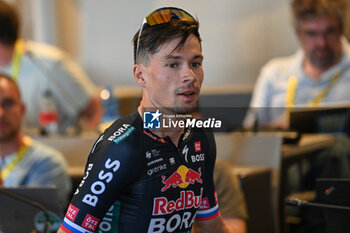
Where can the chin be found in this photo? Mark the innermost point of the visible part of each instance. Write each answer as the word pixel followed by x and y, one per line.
pixel 185 109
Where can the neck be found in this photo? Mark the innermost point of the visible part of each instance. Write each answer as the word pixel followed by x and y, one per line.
pixel 174 133
pixel 6 53
pixel 12 146
pixel 313 71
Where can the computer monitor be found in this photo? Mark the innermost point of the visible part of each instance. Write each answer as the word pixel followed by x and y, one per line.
pixel 321 120
pixel 17 216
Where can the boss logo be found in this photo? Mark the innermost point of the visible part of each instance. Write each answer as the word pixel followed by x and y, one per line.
pixel 99 186
pixel 197 158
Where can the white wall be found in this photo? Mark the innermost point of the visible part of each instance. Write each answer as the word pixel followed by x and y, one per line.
pixel 238 36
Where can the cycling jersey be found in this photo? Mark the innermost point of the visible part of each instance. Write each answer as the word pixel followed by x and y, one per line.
pixel 140 182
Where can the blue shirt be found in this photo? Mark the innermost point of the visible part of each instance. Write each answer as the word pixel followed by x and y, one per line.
pixel 41 165
pixel 269 95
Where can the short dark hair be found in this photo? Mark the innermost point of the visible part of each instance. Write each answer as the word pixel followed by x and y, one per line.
pixel 307 9
pixel 9 24
pixel 153 37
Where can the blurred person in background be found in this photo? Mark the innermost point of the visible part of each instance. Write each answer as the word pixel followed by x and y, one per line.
pixel 39 69
pixel 23 161
pixel 318 73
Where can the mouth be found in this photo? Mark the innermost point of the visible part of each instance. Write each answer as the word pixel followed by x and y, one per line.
pixel 188 94
pixel 322 52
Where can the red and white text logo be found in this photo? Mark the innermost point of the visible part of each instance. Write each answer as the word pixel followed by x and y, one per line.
pixel 197 146
pixel 72 212
pixel 187 200
pixel 205 204
pixel 90 222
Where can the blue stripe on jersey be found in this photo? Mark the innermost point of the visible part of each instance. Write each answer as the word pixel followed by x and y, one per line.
pixel 74 227
pixel 208 212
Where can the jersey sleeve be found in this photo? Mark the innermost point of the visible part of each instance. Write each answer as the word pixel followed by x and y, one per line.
pixel 209 208
pixel 109 171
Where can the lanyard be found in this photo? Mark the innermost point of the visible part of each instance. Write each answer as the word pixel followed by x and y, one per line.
pixel 292 86
pixel 0 173
pixel 5 171
pixel 17 57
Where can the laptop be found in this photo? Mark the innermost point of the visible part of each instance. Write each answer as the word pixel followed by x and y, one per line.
pixel 336 192
pixel 321 120
pixel 17 216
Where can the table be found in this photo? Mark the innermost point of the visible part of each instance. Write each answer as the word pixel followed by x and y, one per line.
pixel 307 147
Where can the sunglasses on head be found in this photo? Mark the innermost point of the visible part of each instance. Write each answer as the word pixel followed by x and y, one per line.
pixel 163 15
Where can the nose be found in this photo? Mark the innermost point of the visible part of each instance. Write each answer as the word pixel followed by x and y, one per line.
pixel 321 40
pixel 188 74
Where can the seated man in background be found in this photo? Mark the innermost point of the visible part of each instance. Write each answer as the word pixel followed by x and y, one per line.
pixel 38 69
pixel 22 160
pixel 318 73
pixel 230 196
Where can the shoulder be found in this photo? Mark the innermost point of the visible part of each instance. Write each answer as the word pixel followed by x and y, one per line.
pixel 207 134
pixel 44 51
pixel 346 46
pixel 119 146
pixel 125 129
pixel 42 153
pixel 121 137
pixel 282 66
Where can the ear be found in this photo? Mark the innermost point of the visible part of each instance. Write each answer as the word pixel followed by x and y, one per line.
pixel 297 33
pixel 139 74
pixel 23 108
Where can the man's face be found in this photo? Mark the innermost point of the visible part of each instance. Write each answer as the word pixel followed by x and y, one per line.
pixel 320 39
pixel 11 111
pixel 173 78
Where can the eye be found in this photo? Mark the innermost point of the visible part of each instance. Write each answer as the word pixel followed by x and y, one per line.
pixel 196 64
pixel 331 32
pixel 8 103
pixel 310 33
pixel 173 65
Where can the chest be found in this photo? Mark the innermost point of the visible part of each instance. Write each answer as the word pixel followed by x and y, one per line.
pixel 307 90
pixel 173 171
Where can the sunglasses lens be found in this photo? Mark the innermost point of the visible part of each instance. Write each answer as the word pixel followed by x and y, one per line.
pixel 164 15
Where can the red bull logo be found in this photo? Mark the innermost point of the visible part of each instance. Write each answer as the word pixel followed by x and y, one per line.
pixel 182 178
pixel 187 200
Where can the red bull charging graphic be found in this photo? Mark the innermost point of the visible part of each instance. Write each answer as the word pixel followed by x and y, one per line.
pixel 182 178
